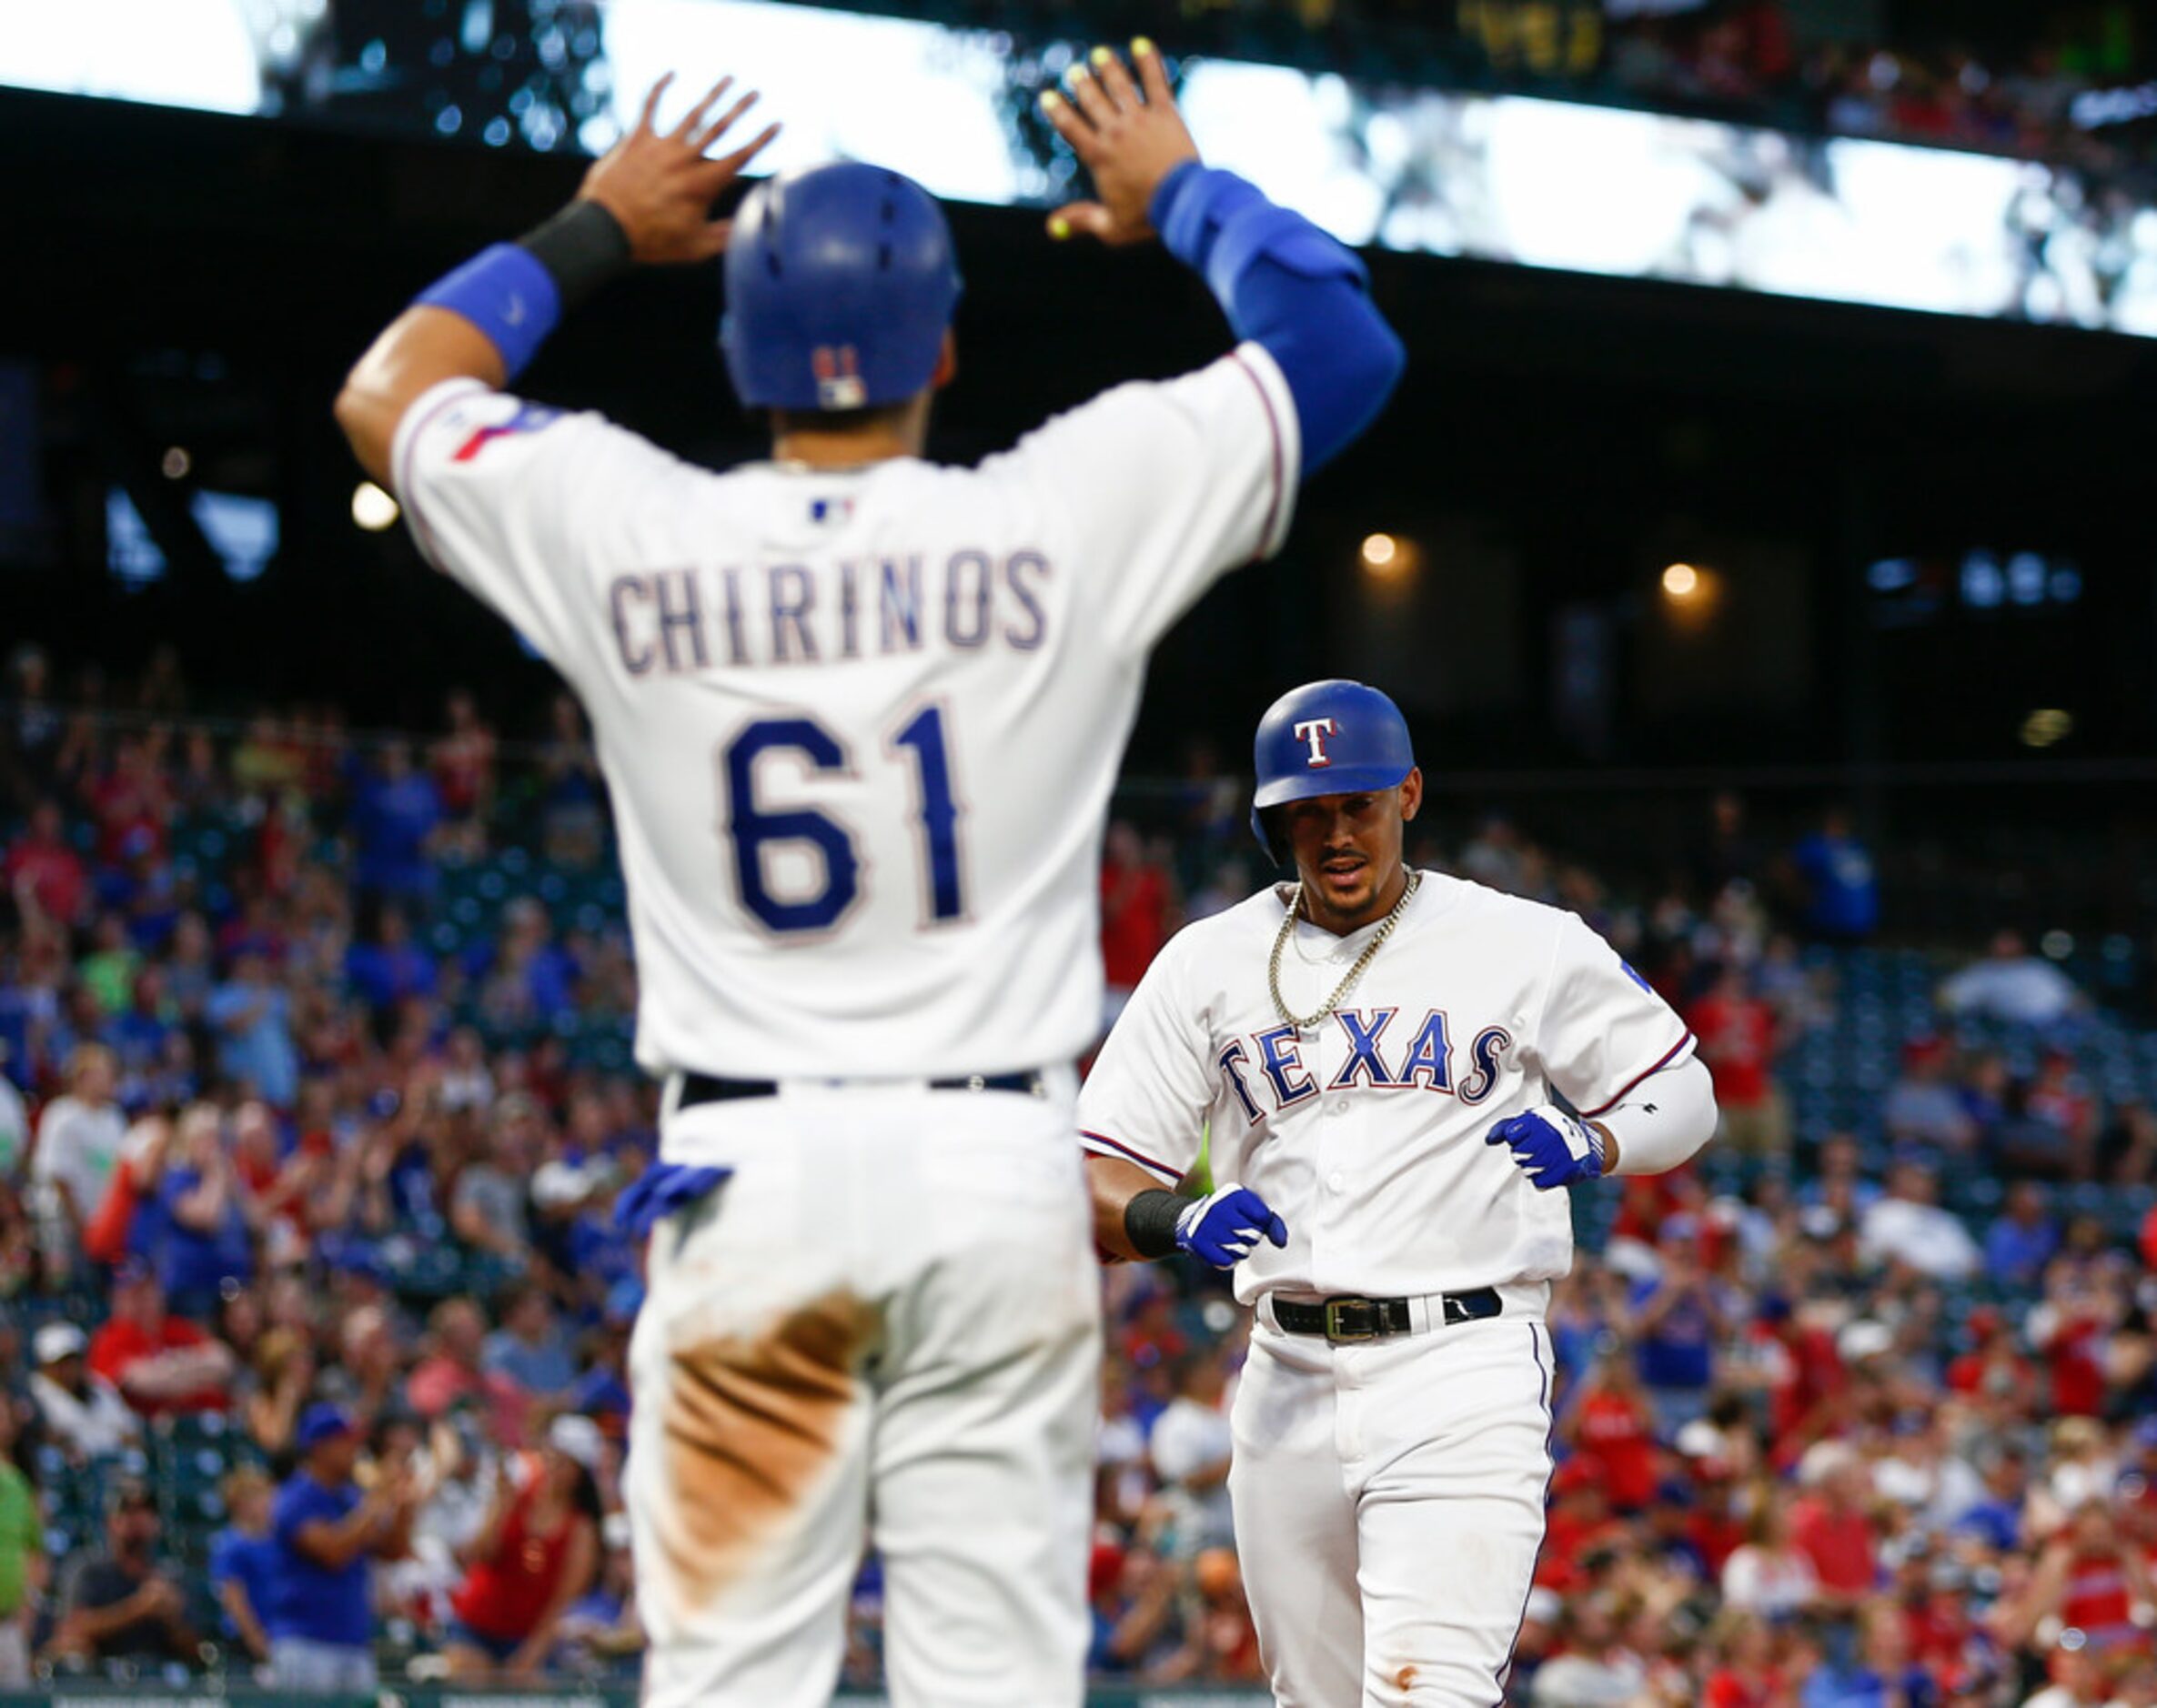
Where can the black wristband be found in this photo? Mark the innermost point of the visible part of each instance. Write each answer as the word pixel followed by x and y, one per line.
pixel 1150 1221
pixel 582 248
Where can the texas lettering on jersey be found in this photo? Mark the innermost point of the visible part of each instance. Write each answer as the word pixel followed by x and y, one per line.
pixel 1423 1060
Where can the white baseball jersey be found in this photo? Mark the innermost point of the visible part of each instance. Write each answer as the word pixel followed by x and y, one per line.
pixel 1366 1132
pixel 859 727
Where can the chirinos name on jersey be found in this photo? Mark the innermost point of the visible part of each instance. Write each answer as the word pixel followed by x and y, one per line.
pixel 669 622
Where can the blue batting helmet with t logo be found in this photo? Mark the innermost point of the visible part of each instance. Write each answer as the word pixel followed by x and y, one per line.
pixel 1330 737
pixel 841 282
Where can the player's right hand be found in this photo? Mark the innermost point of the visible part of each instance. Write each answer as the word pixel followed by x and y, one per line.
pixel 659 186
pixel 1127 134
pixel 1225 1228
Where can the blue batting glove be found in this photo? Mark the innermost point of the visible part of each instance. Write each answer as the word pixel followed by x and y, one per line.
pixel 1551 1147
pixel 1225 1229
pixel 660 1191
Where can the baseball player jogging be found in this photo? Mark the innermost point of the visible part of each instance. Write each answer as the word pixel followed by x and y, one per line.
pixel 1371 1047
pixel 860 716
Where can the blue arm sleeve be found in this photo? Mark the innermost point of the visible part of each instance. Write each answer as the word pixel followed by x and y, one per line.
pixel 1286 285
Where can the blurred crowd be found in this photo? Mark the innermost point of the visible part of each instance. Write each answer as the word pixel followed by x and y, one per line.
pixel 314 1099
pixel 2069 83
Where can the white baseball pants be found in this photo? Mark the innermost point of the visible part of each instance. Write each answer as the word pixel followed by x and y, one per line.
pixel 1388 1498
pixel 884 1327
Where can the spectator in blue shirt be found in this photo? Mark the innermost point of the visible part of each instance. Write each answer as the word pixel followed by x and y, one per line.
pixel 243 1562
pixel 393 967
pixel 252 1017
pixel 321 1625
pixel 532 980
pixel 2022 1242
pixel 395 812
pixel 602 1391
pixel 138 1031
pixel 1997 1518
pixel 1841 886
pixel 1884 1675
pixel 1679 1320
pixel 205 1234
pixel 530 1348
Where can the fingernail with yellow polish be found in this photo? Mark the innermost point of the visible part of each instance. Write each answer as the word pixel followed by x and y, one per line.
pixel 1049 97
pixel 1142 44
pixel 1058 230
pixel 1102 55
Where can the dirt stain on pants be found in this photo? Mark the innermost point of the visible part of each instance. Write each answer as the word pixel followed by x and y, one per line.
pixel 751 1425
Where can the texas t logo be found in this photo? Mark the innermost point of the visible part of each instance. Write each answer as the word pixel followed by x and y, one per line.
pixel 1315 732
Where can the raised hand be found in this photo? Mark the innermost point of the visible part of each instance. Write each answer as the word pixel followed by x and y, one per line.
pixel 1127 134
pixel 661 188
pixel 1552 1148
pixel 1225 1228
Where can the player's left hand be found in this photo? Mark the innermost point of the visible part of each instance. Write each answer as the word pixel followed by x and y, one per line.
pixel 1552 1148
pixel 1128 134
pixel 661 188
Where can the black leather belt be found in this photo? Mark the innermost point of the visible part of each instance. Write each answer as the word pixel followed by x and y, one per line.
pixel 704 1087
pixel 1349 1318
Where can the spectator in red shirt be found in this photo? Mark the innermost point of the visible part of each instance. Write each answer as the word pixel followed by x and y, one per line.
pixel 463 759
pixel 43 868
pixel 158 1363
pixel 1736 1030
pixel 1134 912
pixel 1830 1527
pixel 1992 1372
pixel 1745 1674
pixel 1578 1522
pixel 2068 1331
pixel 132 803
pixel 457 1336
pixel 2088 1579
pixel 1803 1372
pixel 1612 1430
pixel 536 1551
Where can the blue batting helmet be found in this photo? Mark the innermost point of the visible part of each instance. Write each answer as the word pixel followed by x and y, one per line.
pixel 1330 737
pixel 841 281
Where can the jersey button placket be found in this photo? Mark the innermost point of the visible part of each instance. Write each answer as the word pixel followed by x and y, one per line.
pixel 1319 1051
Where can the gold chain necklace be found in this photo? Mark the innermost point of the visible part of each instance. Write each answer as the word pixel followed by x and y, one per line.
pixel 1273 966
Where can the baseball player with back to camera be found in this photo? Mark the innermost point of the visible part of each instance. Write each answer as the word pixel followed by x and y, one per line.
pixel 860 716
pixel 1373 1050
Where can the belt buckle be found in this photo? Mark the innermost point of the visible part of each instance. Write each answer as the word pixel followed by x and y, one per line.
pixel 1336 1329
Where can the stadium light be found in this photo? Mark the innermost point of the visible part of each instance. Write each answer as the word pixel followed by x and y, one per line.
pixel 1391 562
pixel 373 508
pixel 1680 581
pixel 2046 725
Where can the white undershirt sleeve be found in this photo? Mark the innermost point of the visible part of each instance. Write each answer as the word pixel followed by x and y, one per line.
pixel 1665 1120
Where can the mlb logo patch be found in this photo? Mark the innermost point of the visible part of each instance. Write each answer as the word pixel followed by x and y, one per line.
pixel 837 370
pixel 831 510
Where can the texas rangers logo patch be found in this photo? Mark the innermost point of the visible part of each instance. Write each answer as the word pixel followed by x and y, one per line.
pixel 839 383
pixel 1313 733
pixel 530 418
